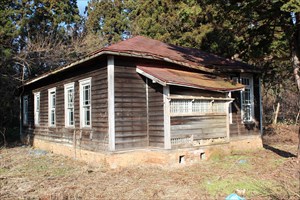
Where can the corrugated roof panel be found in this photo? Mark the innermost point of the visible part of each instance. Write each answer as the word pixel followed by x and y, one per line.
pixel 143 47
pixel 189 56
pixel 166 76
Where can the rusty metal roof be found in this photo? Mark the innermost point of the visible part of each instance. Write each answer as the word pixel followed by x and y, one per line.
pixel 167 76
pixel 143 47
pixel 190 57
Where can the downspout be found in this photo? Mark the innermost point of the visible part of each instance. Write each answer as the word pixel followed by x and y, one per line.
pixel 260 107
pixel 20 114
pixel 20 104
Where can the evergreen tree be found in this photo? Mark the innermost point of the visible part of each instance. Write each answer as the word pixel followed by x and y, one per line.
pixel 108 19
pixel 8 82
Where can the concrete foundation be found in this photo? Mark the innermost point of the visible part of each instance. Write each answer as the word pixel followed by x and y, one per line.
pixel 150 156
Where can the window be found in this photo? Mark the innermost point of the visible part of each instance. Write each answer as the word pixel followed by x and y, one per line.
pixel 25 110
pixel 52 106
pixel 69 105
pixel 197 106
pixel 247 105
pixel 37 108
pixel 85 102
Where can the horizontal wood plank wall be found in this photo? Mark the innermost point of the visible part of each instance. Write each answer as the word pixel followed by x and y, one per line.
pixel 94 138
pixel 177 90
pixel 130 108
pixel 197 127
pixel 200 127
pixel 156 114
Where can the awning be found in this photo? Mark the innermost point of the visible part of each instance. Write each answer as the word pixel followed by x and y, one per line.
pixel 167 76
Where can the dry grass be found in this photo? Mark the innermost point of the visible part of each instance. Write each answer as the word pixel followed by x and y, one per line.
pixel 30 174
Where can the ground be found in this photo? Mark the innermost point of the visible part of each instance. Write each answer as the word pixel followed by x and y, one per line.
pixel 269 173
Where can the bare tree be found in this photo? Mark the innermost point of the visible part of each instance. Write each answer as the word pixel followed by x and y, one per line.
pixel 47 53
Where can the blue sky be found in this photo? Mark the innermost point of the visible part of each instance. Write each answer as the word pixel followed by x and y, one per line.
pixel 81 5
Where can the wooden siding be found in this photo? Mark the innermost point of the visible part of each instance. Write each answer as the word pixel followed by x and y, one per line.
pixel 177 90
pixel 94 138
pixel 130 109
pixel 200 127
pixel 156 114
pixel 197 127
pixel 139 113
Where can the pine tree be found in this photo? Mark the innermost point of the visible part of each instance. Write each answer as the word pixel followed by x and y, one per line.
pixel 108 19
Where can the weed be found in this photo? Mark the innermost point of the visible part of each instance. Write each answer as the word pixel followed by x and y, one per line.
pixel 229 185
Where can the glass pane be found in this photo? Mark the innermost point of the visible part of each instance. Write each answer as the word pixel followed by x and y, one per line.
pixel 38 103
pixel 52 117
pixel 71 117
pixel 247 112
pixel 245 81
pixel 87 116
pixel 53 99
pixel 25 110
pixel 86 95
pixel 70 98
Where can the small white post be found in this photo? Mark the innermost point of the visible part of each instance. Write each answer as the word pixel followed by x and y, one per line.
pixel 111 102
pixel 228 121
pixel 230 109
pixel 167 119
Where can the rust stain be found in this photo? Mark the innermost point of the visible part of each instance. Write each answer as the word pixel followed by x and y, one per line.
pixel 190 56
pixel 140 46
pixel 191 79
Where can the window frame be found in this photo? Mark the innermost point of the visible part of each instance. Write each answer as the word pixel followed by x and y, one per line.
pixel 198 106
pixel 67 88
pixel 251 98
pixel 37 108
pixel 83 108
pixel 50 103
pixel 25 110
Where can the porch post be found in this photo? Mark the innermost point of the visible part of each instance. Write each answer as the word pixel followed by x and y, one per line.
pixel 167 119
pixel 111 102
pixel 230 108
pixel 228 104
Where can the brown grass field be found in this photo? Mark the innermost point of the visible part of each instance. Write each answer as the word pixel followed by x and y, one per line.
pixel 269 173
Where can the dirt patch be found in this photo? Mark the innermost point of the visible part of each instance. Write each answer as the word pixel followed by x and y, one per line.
pixel 27 173
pixel 281 133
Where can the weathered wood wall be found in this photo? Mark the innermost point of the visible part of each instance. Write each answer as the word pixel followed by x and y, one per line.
pixel 139 113
pixel 156 114
pixel 130 108
pixel 138 108
pixel 94 138
pixel 200 127
pixel 197 127
pixel 177 90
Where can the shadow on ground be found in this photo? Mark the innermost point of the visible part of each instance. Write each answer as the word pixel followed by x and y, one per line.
pixel 279 152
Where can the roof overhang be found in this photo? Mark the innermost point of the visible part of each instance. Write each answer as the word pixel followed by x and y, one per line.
pixel 126 54
pixel 167 76
pixel 114 53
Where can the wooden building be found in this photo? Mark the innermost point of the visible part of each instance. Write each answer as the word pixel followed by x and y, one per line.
pixel 142 93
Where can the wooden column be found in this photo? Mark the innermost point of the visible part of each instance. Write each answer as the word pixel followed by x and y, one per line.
pixel 111 102
pixel 228 104
pixel 147 105
pixel 167 119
